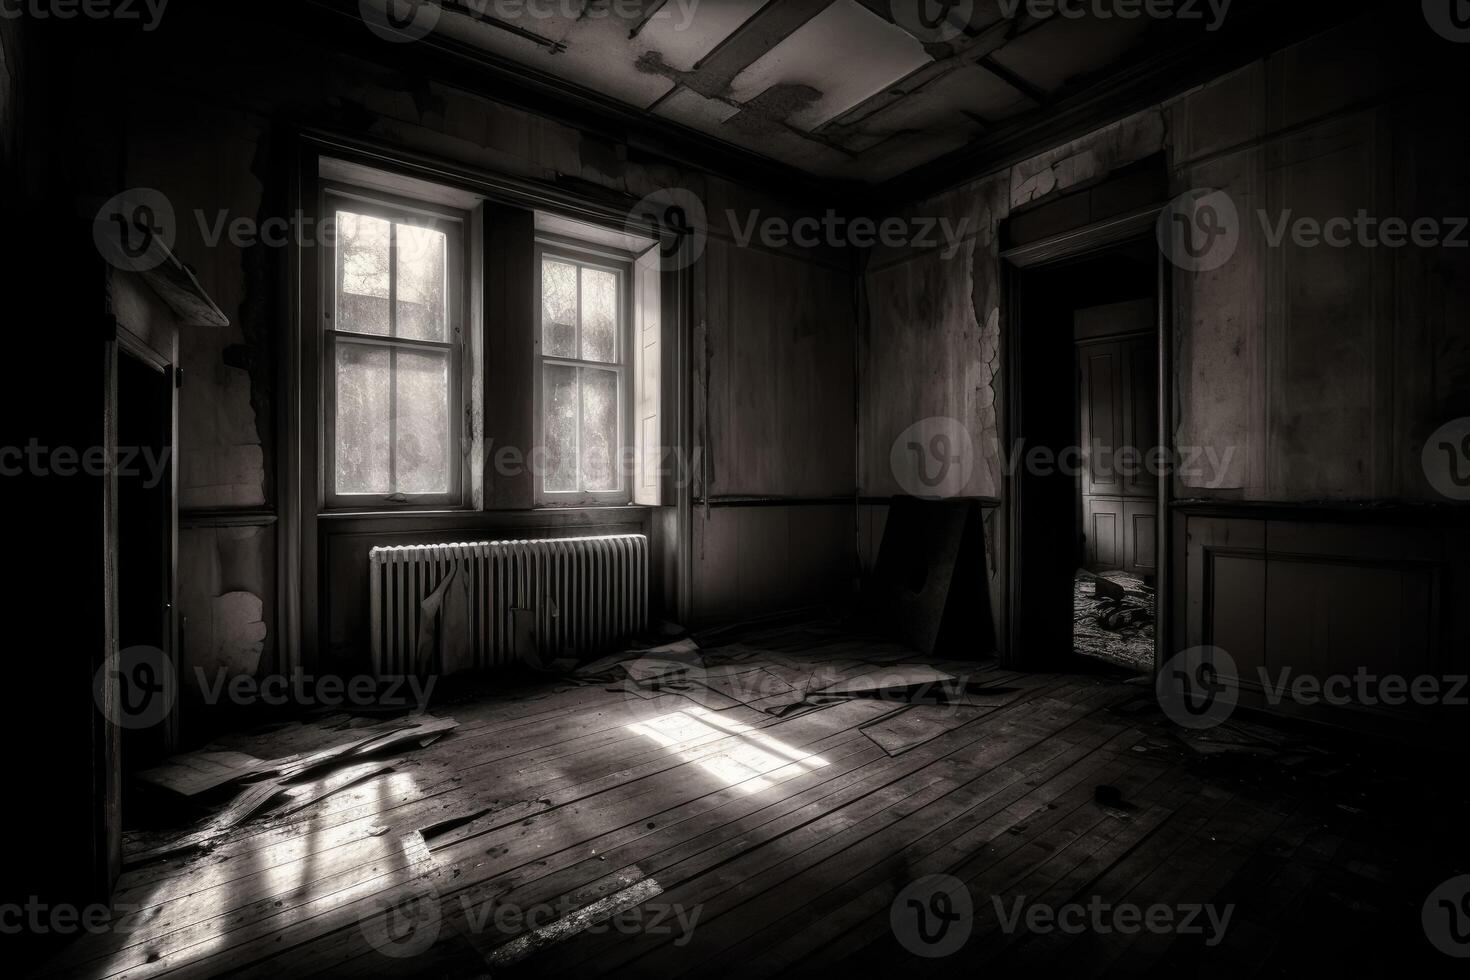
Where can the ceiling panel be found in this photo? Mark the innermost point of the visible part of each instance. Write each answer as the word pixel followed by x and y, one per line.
pixel 597 56
pixel 685 32
pixel 831 88
pixel 694 110
pixel 846 54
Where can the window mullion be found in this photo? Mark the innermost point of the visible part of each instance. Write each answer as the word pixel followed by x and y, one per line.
pixel 577 373
pixel 393 358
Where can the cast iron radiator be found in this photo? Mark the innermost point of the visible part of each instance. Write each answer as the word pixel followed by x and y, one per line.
pixel 576 596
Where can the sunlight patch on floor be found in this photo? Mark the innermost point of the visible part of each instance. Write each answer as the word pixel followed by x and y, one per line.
pixel 747 765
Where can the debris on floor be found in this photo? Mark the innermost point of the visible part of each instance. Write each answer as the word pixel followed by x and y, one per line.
pixel 298 781
pixel 199 772
pixel 1110 798
pixel 1113 618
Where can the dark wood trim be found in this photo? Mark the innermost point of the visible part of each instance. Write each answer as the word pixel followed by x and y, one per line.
pixel 609 209
pixel 1382 513
pixel 488 520
pixel 1082 241
pixel 227 517
pixel 1007 629
pixel 676 374
pixel 509 352
pixel 177 286
pixel 991 502
pixel 736 500
pixel 1164 569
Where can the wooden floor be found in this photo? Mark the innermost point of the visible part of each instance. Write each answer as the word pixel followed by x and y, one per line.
pixel 577 829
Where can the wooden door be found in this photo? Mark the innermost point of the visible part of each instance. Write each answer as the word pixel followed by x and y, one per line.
pixel 1117 424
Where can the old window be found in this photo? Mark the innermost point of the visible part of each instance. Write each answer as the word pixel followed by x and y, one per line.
pixel 582 375
pixel 392 354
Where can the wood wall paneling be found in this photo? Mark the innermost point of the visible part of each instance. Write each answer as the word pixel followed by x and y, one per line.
pixel 1309 597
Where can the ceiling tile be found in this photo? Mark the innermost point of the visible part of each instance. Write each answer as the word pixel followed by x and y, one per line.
pixel 846 53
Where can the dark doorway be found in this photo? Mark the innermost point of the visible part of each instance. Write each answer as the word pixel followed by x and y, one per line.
pixel 145 537
pixel 1085 494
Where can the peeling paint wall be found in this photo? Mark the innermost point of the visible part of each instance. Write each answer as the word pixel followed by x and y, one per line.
pixel 213 135
pixel 1316 373
pixel 1324 369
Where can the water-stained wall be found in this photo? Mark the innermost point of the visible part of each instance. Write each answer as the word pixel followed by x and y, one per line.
pixel 214 135
pixel 1303 372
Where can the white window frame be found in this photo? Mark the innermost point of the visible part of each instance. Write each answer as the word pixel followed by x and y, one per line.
pixel 455 224
pixel 605 259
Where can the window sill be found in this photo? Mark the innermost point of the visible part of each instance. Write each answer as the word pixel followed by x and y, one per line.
pixel 463 514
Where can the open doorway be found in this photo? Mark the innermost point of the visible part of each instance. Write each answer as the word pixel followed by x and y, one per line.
pixel 1116 372
pixel 1085 491
pixel 145 544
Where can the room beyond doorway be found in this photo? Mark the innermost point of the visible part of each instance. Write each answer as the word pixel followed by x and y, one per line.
pixel 1088 529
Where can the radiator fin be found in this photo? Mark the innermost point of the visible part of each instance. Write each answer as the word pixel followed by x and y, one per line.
pixel 585 594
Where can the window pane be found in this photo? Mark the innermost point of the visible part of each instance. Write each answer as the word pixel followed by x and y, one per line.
pixel 423 422
pixel 362 419
pixel 558 308
pixel 362 273
pixel 421 277
pixel 559 384
pixel 599 430
pixel 599 315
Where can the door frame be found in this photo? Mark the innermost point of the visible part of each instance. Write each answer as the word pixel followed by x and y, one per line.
pixel 1081 243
